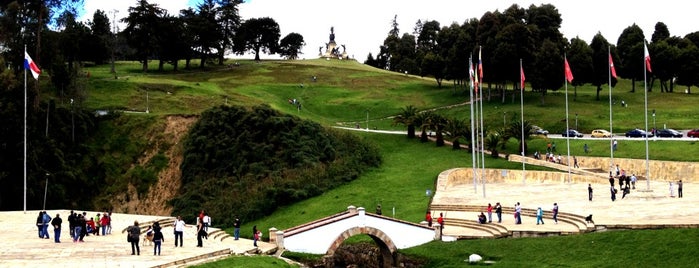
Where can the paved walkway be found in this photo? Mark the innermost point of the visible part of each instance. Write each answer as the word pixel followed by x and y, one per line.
pixel 642 208
pixel 22 246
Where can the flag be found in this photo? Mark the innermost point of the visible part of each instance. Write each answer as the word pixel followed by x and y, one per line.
pixel 30 65
pixel 646 56
pixel 611 66
pixel 521 77
pixel 480 65
pixel 569 73
pixel 471 73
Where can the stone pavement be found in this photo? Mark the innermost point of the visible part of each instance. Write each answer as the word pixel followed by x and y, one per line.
pixel 643 208
pixel 22 246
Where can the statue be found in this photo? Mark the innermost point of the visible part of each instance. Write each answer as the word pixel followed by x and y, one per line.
pixel 343 49
pixel 332 34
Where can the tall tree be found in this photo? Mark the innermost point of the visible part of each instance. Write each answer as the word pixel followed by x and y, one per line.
pixel 140 31
pixel 579 56
pixel 661 32
pixel 290 46
pixel 600 62
pixel 257 35
pixel 630 49
pixel 100 38
pixel 229 21
pixel 208 31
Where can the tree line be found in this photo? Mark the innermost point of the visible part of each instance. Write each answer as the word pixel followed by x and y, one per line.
pixel 533 35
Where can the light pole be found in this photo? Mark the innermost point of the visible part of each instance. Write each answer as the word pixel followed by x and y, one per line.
pixel 504 120
pixel 72 122
pixel 46 188
pixel 367 119
pixel 576 121
pixel 654 121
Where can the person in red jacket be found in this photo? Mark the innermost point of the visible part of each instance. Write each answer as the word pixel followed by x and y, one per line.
pixel 428 218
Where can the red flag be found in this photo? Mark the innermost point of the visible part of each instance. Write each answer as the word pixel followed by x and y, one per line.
pixel 480 70
pixel 569 73
pixel 611 66
pixel 646 56
pixel 521 77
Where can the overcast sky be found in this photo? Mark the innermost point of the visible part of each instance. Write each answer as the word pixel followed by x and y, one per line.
pixel 362 25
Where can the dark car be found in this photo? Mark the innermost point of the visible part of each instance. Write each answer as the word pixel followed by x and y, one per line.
pixel 638 133
pixel 668 133
pixel 694 133
pixel 572 133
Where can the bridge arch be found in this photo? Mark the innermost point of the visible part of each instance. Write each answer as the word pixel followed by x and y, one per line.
pixel 387 248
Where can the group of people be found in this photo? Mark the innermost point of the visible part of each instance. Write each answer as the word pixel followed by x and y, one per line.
pixel 626 183
pixel 517 214
pixel 79 225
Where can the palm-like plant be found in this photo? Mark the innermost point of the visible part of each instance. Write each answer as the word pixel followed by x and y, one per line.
pixel 438 122
pixel 492 141
pixel 457 129
pixel 515 131
pixel 407 117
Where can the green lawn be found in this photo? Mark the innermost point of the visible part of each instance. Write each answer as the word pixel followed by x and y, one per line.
pixel 346 92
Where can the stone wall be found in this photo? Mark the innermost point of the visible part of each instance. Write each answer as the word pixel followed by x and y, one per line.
pixel 593 168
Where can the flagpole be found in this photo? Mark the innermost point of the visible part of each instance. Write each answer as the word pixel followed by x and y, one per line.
pixel 521 105
pixel 567 123
pixel 473 138
pixel 645 109
pixel 25 133
pixel 611 139
pixel 480 61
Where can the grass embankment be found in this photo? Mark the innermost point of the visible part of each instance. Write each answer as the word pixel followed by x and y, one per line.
pixel 346 92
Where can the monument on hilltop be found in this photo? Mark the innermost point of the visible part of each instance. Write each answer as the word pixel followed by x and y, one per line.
pixel 331 48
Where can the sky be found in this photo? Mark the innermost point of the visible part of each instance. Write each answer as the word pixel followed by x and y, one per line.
pixel 362 25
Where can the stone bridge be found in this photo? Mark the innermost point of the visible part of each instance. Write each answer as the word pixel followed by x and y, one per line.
pixel 324 236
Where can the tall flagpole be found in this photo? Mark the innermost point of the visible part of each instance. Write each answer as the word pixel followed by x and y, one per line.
pixel 25 133
pixel 480 71
pixel 646 63
pixel 473 137
pixel 521 105
pixel 567 123
pixel 611 139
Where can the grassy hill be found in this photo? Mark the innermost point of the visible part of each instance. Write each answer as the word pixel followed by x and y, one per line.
pixel 346 93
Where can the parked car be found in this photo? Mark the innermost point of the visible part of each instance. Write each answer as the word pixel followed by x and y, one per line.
pixel 694 133
pixel 668 133
pixel 600 133
pixel 572 133
pixel 539 131
pixel 638 133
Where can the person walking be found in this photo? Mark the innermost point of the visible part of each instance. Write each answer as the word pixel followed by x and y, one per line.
pixel 589 192
pixel 134 232
pixel 46 219
pixel 40 224
pixel 498 211
pixel 179 230
pixel 575 162
pixel 518 213
pixel 490 213
pixel 539 216
pixel 555 213
pixel 207 221
pixel 236 228
pixel 201 233
pixel 79 222
pixel 613 192
pixel 56 223
pixel 679 189
pixel 158 238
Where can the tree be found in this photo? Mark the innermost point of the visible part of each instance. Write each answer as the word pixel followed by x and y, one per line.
pixel 457 129
pixel 579 56
pixel 290 46
pixel 257 34
pixel 515 131
pixel 140 31
pixel 549 71
pixel 229 21
pixel 407 117
pixel 630 51
pixel 208 31
pixel 100 40
pixel 600 62
pixel 661 32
